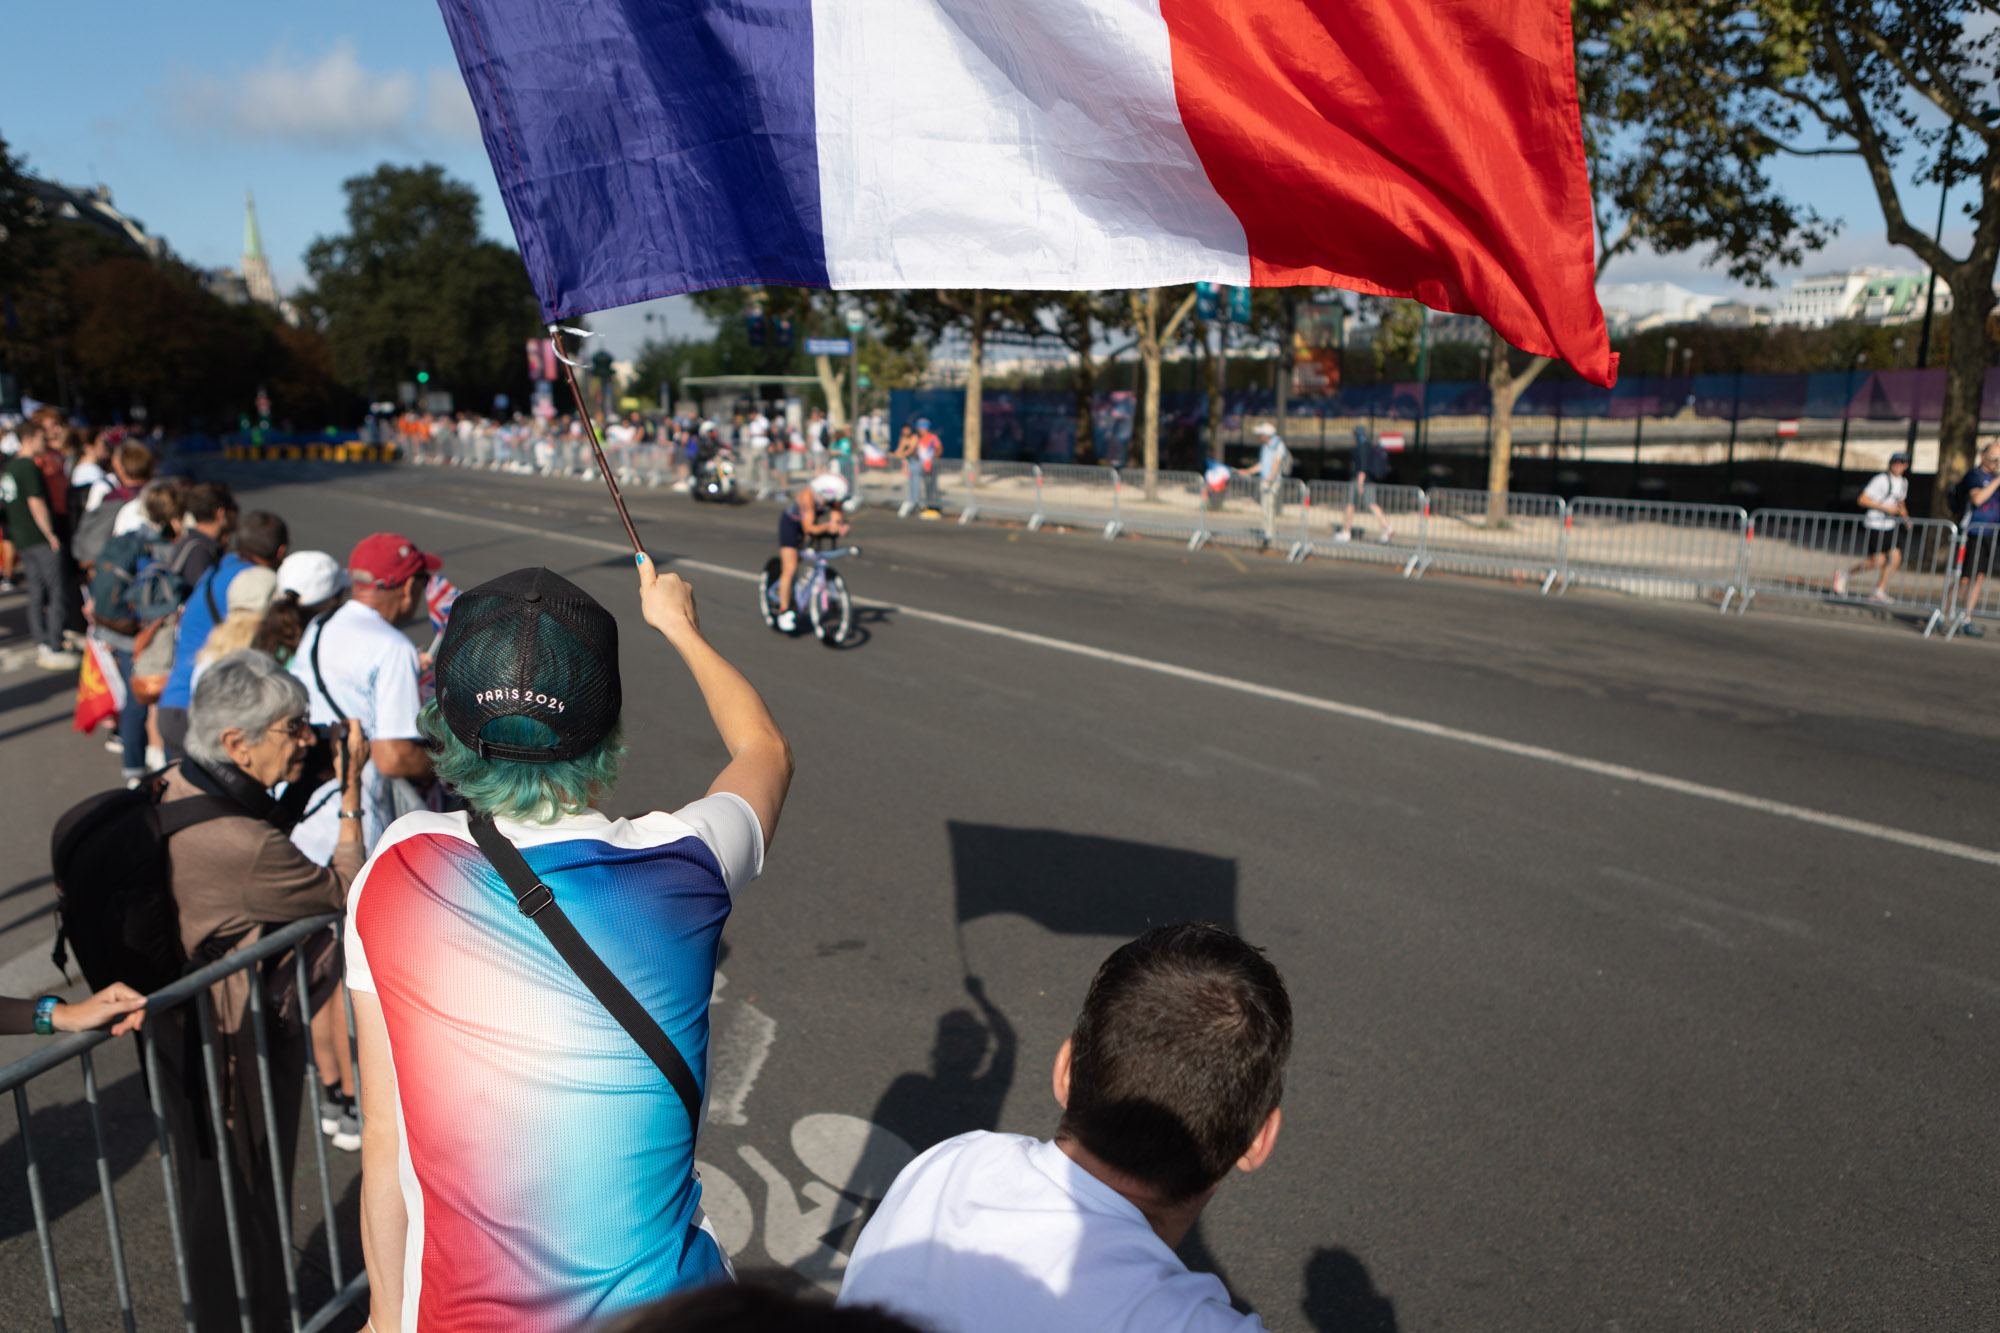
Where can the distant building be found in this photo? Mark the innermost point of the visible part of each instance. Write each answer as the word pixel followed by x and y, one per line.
pixel 1736 315
pixel 256 269
pixel 226 285
pixel 92 206
pixel 1633 307
pixel 1820 299
pixel 1898 299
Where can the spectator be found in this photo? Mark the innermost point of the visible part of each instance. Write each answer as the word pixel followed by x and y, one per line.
pixel 1370 466
pixel 310 584
pixel 117 1003
pixel 105 503
pixel 1979 490
pixel 729 1308
pixel 123 578
pixel 1884 499
pixel 1274 462
pixel 207 527
pixel 33 523
pixel 1172 1076
pixel 250 593
pixel 485 1199
pixel 92 465
pixel 261 540
pixel 234 878
pixel 356 663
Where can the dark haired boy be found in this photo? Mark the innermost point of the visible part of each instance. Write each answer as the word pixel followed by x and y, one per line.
pixel 1171 1078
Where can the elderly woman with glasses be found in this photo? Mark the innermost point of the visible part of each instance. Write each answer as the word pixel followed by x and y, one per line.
pixel 236 875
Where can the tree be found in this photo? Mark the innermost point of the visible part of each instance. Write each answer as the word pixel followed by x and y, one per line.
pixel 912 316
pixel 1654 183
pixel 1078 317
pixel 411 286
pixel 1152 336
pixel 1707 92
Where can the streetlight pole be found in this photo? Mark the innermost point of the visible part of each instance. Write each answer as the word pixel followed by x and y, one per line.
pixel 1846 412
pixel 856 321
pixel 1639 422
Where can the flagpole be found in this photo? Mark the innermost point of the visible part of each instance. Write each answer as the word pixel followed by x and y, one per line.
pixel 590 426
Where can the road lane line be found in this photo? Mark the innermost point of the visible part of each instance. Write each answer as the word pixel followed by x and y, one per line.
pixel 1860 828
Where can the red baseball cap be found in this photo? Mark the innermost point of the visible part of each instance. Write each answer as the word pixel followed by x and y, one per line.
pixel 387 558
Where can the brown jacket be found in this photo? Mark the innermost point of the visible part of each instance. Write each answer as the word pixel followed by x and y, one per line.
pixel 236 877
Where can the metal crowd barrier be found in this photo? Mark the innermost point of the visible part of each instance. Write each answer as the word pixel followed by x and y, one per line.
pixel 1824 557
pixel 1233 514
pixel 1514 536
pixel 1334 508
pixel 1652 548
pixel 1077 496
pixel 1003 490
pixel 194 990
pixel 1977 596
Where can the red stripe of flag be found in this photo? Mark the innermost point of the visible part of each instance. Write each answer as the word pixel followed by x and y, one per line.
pixel 1433 146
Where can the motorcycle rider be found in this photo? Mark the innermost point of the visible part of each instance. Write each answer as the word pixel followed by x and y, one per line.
pixel 814 511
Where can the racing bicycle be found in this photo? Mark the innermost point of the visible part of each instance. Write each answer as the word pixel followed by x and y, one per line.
pixel 819 594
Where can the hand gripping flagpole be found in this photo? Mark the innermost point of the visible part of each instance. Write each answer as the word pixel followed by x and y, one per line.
pixel 556 332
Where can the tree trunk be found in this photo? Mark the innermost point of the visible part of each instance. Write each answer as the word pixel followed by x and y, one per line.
pixel 1086 386
pixel 832 383
pixel 1217 363
pixel 1506 388
pixel 1965 386
pixel 1148 312
pixel 974 372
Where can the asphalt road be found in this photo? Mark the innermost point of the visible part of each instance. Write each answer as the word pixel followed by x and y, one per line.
pixel 1575 1049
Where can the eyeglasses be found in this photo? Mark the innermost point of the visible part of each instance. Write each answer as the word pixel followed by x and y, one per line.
pixel 298 728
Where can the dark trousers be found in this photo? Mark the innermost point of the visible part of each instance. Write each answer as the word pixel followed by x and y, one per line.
pixel 131 718
pixel 173 732
pixel 48 595
pixel 200 1177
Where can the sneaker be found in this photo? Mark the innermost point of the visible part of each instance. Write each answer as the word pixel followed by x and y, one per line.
pixel 1387 535
pixel 156 758
pixel 7 586
pixel 930 514
pixel 1840 584
pixel 62 661
pixel 1880 595
pixel 1972 630
pixel 788 621
pixel 1343 536
pixel 72 641
pixel 114 746
pixel 332 1105
pixel 340 1120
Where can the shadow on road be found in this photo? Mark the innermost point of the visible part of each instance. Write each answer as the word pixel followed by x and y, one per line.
pixel 1081 884
pixel 971 1070
pixel 66 1153
pixel 37 691
pixel 1341 1296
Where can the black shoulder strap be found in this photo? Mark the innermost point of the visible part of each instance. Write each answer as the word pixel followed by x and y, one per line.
pixel 319 632
pixel 208 595
pixel 536 903
pixel 191 810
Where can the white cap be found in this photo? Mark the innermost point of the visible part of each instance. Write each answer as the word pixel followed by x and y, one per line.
pixel 831 486
pixel 311 576
pixel 1266 428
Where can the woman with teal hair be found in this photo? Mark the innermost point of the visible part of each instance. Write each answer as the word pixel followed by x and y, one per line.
pixel 484 1056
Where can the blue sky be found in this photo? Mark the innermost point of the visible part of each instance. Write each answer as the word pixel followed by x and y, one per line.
pixel 180 110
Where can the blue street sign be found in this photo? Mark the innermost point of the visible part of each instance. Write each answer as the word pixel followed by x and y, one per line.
pixel 829 347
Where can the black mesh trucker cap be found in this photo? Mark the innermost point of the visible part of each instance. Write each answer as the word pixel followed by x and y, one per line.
pixel 530 644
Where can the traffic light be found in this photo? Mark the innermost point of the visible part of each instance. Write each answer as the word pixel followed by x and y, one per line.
pixel 754 328
pixel 784 333
pixel 423 377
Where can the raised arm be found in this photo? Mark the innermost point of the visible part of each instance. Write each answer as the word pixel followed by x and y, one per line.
pixel 760 759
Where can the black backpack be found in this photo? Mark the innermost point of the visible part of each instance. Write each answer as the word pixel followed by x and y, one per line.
pixel 114 888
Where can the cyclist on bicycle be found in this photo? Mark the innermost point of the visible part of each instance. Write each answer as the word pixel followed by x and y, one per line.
pixel 815 511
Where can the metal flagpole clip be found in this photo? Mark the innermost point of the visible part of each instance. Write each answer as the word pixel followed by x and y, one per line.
pixel 556 331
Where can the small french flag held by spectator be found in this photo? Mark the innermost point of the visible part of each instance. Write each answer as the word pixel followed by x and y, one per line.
pixel 1422 148
pixel 1216 475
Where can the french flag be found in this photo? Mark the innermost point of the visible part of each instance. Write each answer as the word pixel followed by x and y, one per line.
pixel 1422 148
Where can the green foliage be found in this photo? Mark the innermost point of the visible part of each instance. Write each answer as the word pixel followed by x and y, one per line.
pixel 411 284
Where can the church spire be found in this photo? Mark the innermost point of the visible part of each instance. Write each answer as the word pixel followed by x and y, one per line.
pixel 256 269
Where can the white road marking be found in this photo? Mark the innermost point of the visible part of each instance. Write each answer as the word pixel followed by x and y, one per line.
pixel 1860 828
pixel 741 1043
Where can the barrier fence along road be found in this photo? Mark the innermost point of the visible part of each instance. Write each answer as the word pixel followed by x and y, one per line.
pixel 194 990
pixel 1647 548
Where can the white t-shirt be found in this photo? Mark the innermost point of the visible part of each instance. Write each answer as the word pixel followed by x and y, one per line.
pixel 999 1232
pixel 372 670
pixel 1882 488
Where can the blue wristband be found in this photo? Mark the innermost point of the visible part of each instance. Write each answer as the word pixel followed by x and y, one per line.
pixel 45 1015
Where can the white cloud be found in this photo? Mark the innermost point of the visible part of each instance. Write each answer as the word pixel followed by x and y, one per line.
pixel 332 102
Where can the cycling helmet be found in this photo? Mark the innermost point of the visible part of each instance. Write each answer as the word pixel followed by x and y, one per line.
pixel 830 487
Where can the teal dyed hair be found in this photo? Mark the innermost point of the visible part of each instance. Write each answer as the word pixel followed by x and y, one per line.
pixel 511 789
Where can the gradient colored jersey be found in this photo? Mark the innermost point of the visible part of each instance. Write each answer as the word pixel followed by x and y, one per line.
pixel 547 1165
